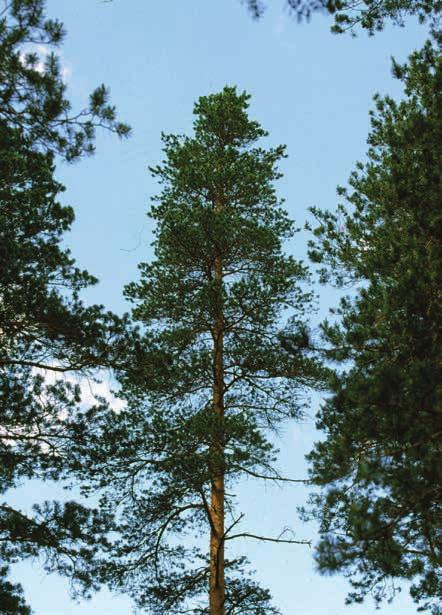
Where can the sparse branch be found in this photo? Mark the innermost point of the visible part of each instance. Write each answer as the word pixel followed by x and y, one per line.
pixel 275 477
pixel 267 539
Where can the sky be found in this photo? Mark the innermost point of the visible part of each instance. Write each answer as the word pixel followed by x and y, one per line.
pixel 312 91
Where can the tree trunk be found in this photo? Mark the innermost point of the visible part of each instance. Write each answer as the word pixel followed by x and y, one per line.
pixel 216 581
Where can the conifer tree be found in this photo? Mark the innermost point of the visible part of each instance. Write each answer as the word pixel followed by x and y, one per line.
pixel 210 378
pixel 380 463
pixel 45 329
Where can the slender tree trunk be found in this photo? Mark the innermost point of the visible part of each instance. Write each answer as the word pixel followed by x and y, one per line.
pixel 216 582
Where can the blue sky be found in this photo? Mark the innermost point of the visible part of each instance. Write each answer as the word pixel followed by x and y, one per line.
pixel 312 91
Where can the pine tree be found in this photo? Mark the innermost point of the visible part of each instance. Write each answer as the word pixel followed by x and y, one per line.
pixel 380 463
pixel 210 378
pixel 45 329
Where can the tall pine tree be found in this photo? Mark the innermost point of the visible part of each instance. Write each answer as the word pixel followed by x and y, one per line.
pixel 45 329
pixel 380 463
pixel 211 378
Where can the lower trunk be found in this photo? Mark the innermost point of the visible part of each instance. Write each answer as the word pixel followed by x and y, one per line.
pixel 216 589
pixel 216 582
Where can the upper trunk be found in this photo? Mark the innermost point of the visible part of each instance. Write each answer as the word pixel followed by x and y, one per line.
pixel 216 584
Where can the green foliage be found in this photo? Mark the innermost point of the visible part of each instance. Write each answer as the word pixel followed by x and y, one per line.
pixel 11 597
pixel 156 458
pixel 45 332
pixel 45 329
pixel 380 463
pixel 32 90
pixel 370 15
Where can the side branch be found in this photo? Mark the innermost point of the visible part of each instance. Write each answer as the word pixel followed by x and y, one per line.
pixel 52 368
pixel 275 477
pixel 268 539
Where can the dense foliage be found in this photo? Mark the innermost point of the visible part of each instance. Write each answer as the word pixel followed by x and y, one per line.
pixel 210 377
pixel 370 15
pixel 45 330
pixel 380 463
pixel 32 90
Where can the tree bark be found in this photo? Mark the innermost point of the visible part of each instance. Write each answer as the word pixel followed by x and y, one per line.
pixel 216 579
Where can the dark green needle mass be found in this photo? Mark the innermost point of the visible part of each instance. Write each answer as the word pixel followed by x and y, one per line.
pixel 46 332
pixel 32 91
pixel 380 465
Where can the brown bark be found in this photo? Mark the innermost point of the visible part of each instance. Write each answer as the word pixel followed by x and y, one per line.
pixel 216 579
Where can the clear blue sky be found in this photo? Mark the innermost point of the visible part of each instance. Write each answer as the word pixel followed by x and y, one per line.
pixel 311 90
